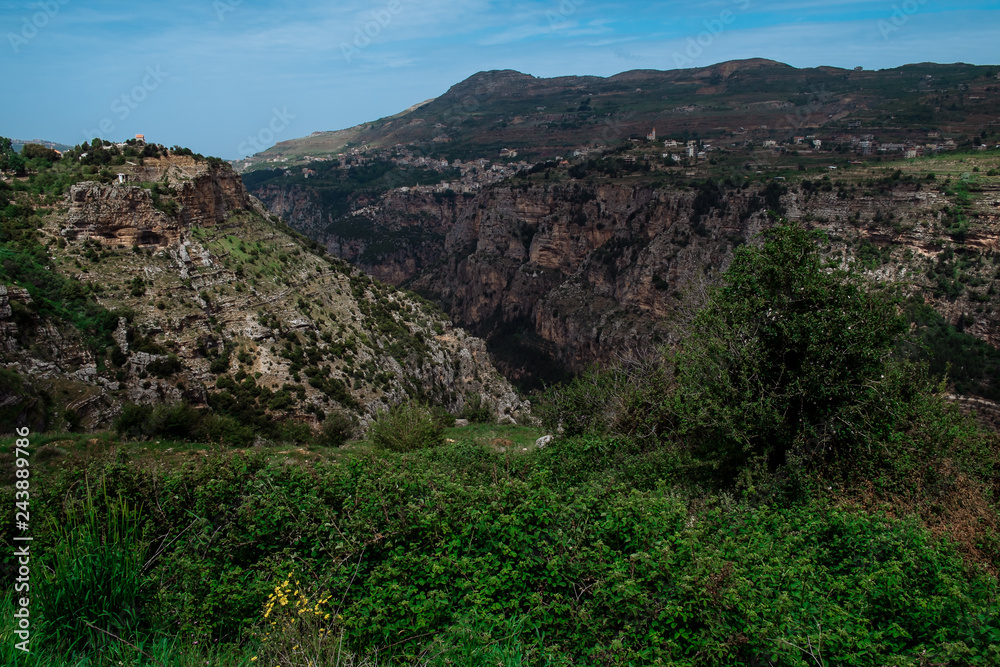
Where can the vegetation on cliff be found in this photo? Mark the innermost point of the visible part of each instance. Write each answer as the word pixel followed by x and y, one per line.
pixel 172 296
pixel 788 488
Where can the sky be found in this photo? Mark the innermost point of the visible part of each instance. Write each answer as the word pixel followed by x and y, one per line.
pixel 232 77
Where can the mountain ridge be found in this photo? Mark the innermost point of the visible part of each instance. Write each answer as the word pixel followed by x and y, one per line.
pixel 543 117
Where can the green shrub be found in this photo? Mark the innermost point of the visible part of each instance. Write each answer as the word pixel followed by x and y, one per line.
pixel 442 416
pixel 133 420
pixel 338 428
pixel 792 363
pixel 178 421
pixel 164 368
pixel 623 399
pixel 405 428
pixel 477 411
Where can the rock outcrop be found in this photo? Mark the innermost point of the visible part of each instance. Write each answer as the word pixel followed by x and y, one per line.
pixel 188 193
pixel 119 215
pixel 583 270
pixel 208 289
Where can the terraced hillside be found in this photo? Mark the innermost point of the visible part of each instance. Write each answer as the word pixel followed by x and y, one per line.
pixel 176 287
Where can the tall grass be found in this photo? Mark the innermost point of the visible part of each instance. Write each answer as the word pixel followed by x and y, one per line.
pixel 92 590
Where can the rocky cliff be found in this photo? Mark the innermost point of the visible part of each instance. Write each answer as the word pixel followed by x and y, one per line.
pixel 184 289
pixel 584 268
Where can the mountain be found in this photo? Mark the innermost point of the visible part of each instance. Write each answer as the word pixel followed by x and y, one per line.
pixel 563 263
pixel 18 144
pixel 572 265
pixel 157 280
pixel 754 98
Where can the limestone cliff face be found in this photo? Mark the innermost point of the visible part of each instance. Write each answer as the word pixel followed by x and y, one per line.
pixel 190 193
pixel 119 215
pixel 585 270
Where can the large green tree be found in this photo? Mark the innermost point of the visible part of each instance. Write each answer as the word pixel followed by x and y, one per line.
pixel 9 159
pixel 794 361
pixel 39 152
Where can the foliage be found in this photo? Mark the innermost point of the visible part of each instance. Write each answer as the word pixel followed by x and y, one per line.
pixel 575 554
pixel 792 363
pixel 338 428
pixel 624 399
pixel 970 363
pixel 94 585
pixel 300 629
pixel 10 160
pixel 39 153
pixel 477 411
pixel 405 428
pixel 181 421
pixel 164 368
pixel 21 404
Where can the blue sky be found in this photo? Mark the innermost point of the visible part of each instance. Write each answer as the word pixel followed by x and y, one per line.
pixel 209 74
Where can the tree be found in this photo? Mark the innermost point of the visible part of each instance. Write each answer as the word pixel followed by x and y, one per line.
pixel 9 159
pixel 39 152
pixel 792 362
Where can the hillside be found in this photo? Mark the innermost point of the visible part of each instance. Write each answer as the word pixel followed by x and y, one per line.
pixel 573 263
pixel 741 100
pixel 175 286
pixel 789 488
pixel 562 262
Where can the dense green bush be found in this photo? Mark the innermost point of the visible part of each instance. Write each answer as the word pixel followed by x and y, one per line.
pixel 164 368
pixel 132 421
pixel 970 363
pixel 792 364
pixel 338 428
pixel 623 399
pixel 477 411
pixel 460 548
pixel 405 428
pixel 181 421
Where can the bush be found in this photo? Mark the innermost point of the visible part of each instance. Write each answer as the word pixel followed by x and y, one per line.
pixel 221 428
pixel 407 427
pixel 442 416
pixel 338 428
pixel 181 421
pixel 133 420
pixel 178 421
pixel 792 364
pixel 623 399
pixel 164 368
pixel 477 411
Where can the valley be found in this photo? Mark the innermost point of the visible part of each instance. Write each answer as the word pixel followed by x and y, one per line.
pixel 696 368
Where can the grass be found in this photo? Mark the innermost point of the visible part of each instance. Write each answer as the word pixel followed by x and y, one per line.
pixel 54 451
pixel 502 437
